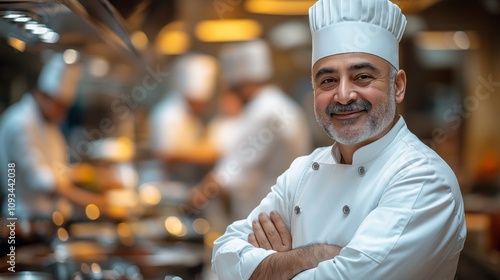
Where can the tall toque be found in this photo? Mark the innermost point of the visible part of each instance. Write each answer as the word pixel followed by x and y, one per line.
pixel 347 26
pixel 59 80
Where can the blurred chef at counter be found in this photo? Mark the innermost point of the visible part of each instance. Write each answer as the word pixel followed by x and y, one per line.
pixel 31 139
pixel 178 132
pixel 272 131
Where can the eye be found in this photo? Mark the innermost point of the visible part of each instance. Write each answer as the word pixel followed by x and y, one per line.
pixel 363 77
pixel 326 81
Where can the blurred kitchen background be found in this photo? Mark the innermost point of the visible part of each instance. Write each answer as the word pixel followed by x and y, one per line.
pixel 450 51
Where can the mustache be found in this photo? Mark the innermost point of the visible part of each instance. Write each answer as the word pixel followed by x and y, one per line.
pixel 360 105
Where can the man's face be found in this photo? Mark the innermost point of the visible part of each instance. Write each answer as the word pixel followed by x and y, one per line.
pixel 354 97
pixel 52 109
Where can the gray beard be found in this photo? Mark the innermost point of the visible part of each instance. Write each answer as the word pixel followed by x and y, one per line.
pixel 378 120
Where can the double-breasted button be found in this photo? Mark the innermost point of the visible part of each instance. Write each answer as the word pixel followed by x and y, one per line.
pixel 296 210
pixel 361 171
pixel 346 210
pixel 315 166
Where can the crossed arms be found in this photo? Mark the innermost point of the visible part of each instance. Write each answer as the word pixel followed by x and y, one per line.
pixel 271 233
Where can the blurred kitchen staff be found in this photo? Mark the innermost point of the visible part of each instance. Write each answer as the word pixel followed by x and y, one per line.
pixel 178 134
pixel 272 132
pixel 31 139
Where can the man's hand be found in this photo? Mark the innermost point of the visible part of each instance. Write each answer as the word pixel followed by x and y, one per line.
pixel 270 233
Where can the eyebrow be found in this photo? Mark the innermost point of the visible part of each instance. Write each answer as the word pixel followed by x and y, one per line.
pixel 324 71
pixel 364 65
pixel 354 67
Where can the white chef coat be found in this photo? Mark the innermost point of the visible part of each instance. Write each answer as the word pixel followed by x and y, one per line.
pixel 273 132
pixel 173 126
pixel 38 150
pixel 397 212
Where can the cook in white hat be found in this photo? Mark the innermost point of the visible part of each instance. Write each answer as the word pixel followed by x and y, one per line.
pixel 56 87
pixel 194 77
pixel 176 122
pixel 31 140
pixel 246 67
pixel 376 204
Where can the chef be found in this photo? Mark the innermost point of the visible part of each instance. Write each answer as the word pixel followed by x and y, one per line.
pixel 178 131
pixel 31 140
pixel 378 203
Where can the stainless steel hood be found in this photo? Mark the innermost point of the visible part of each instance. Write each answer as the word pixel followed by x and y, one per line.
pixel 81 23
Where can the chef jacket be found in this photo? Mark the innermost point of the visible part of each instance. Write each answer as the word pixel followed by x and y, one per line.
pixel 397 213
pixel 272 133
pixel 38 150
pixel 173 126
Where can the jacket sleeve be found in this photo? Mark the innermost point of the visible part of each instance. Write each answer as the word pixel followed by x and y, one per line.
pixel 416 232
pixel 29 160
pixel 233 257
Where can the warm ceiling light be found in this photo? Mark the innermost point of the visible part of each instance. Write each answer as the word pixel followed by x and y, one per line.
pixel 228 30
pixel 173 42
pixel 447 40
pixel 411 7
pixel 279 7
pixel 173 39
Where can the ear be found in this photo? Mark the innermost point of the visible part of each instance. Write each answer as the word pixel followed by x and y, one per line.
pixel 400 86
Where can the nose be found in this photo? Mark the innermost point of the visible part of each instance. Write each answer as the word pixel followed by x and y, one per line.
pixel 345 92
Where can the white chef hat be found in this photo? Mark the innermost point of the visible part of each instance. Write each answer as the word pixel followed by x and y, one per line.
pixel 246 62
pixel 195 76
pixel 347 26
pixel 59 80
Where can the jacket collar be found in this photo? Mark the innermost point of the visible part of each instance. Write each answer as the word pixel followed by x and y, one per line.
pixel 372 150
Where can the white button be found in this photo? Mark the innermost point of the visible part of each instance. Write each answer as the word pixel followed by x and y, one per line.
pixel 346 210
pixel 315 166
pixel 361 171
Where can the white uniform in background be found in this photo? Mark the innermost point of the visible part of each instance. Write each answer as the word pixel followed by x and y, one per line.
pixel 387 210
pixel 38 150
pixel 173 125
pixel 35 146
pixel 273 130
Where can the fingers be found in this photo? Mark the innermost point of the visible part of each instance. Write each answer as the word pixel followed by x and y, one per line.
pixel 284 233
pixel 270 233
pixel 260 235
pixel 252 240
